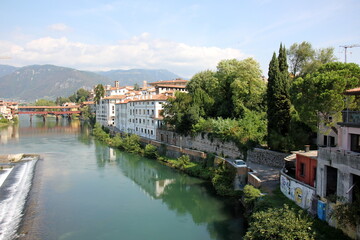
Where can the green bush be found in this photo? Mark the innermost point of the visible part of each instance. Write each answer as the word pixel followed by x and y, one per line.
pixel 117 141
pixel 251 195
pixel 182 162
pixel 150 151
pixel 223 180
pixel 131 143
pixel 100 134
pixel 280 223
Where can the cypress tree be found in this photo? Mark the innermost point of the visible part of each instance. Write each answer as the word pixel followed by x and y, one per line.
pixel 278 101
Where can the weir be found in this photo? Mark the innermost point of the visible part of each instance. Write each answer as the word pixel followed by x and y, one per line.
pixel 13 194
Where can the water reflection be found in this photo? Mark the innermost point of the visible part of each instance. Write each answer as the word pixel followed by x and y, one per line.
pixel 181 193
pixel 7 133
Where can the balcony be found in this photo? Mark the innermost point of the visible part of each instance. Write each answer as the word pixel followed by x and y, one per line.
pixel 350 118
pixel 337 156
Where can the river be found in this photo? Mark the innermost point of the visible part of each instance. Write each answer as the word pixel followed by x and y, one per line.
pixel 84 190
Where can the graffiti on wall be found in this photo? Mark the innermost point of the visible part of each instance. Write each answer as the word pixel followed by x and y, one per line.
pixel 301 194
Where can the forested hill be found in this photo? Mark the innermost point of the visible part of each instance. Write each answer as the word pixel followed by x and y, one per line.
pixel 48 81
pixel 132 76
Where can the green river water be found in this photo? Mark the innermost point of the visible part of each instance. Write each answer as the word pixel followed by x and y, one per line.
pixel 84 190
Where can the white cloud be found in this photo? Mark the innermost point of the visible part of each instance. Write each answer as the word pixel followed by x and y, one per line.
pixel 61 27
pixel 138 52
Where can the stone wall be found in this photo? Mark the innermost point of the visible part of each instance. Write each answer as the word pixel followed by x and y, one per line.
pixel 266 157
pixel 201 142
pixel 173 151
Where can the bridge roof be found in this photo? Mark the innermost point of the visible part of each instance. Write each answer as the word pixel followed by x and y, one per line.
pixel 47 107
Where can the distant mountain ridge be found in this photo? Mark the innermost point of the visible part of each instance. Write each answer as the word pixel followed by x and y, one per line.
pixel 132 76
pixel 48 81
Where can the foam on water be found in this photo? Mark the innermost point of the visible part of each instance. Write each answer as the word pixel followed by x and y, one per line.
pixel 11 208
pixel 4 175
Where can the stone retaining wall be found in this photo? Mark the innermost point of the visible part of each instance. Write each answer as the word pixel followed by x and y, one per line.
pixel 201 142
pixel 266 157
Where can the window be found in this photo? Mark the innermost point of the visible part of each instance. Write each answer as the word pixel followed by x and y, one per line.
pixel 331 181
pixel 302 169
pixel 355 143
pixel 355 191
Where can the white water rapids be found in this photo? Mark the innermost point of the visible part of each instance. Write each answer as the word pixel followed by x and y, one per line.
pixel 12 205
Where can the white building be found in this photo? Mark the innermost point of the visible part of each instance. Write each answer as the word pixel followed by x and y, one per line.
pixel 105 110
pixel 136 112
pixel 141 116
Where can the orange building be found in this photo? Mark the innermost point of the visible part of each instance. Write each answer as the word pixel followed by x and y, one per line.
pixel 306 163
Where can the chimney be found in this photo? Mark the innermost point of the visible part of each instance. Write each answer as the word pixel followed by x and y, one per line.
pixel 307 148
pixel 144 84
pixel 117 84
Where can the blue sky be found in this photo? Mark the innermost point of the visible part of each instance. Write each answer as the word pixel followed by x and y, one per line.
pixel 184 37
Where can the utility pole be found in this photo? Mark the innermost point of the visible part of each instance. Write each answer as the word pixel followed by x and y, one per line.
pixel 349 46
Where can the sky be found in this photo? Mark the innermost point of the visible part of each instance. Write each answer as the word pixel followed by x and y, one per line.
pixel 184 37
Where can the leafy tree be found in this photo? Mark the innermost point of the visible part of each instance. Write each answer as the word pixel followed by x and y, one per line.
pixel 181 113
pixel 278 110
pixel 279 223
pixel 299 55
pixel 44 102
pixel 61 100
pixel 319 98
pixel 82 95
pixel 203 87
pixel 99 93
pixel 240 87
pixel 304 59
pixel 136 87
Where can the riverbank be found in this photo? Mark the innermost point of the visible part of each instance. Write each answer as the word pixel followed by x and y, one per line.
pixel 221 177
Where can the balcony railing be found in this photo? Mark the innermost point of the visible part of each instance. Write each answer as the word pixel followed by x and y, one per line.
pixel 351 117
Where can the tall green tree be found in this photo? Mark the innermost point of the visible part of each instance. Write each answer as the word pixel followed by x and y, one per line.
pixel 203 86
pixel 82 95
pixel 240 87
pixel 181 113
pixel 278 101
pixel 318 97
pixel 99 93
pixel 304 59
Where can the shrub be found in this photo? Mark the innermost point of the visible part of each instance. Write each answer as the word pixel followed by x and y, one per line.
pixel 279 223
pixel 182 162
pixel 223 180
pixel 251 195
pixel 100 134
pixel 150 151
pixel 131 143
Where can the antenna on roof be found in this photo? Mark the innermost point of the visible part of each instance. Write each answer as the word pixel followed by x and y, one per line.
pixel 349 46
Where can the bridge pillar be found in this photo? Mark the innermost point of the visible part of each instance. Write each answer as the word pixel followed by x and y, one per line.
pixel 57 117
pixel 69 117
pixel 44 117
pixel 31 117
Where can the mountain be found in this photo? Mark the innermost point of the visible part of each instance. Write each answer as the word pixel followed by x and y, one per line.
pixel 48 81
pixel 6 69
pixel 132 76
